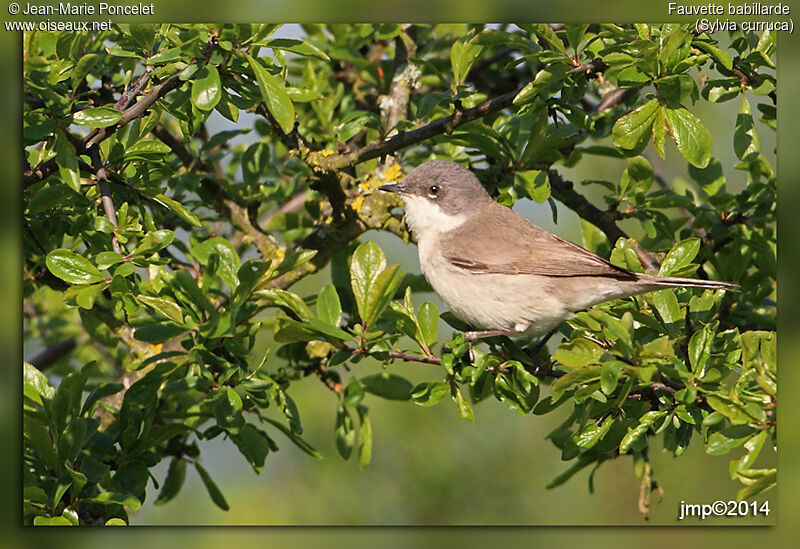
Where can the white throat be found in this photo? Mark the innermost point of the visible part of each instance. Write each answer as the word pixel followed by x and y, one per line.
pixel 426 218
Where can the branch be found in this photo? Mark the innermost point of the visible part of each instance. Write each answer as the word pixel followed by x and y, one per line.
pixel 614 98
pixel 49 167
pixel 564 191
pixel 403 81
pixel 105 194
pixel 52 354
pixel 327 161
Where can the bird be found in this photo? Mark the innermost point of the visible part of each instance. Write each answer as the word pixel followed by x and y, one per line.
pixel 497 270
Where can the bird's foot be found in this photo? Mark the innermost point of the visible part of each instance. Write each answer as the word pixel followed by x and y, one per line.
pixel 472 336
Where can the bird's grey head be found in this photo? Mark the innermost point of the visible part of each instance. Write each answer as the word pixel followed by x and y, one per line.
pixel 439 195
pixel 449 185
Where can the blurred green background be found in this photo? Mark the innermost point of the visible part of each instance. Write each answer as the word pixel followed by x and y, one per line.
pixel 492 472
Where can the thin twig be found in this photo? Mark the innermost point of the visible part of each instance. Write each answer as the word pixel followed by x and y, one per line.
pixel 328 161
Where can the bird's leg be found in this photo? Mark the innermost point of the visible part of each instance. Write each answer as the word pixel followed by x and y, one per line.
pixel 541 343
pixel 472 336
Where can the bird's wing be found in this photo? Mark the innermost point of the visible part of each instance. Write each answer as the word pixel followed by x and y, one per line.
pixel 507 243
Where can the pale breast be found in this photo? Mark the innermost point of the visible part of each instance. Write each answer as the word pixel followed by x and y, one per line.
pixel 492 301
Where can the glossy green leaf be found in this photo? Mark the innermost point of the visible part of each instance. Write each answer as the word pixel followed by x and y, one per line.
pixel 632 131
pixel 206 88
pixel 720 56
pixel 84 65
pixel 578 352
pixel 35 384
pixel 213 490
pixel 67 162
pixel 428 318
pixel 183 212
pixel 329 308
pixel 97 117
pixel 388 386
pixel 163 306
pixel 364 439
pixel 274 95
pixel 154 241
pixel 252 443
pixel 299 47
pixel 344 432
pixel 690 135
pixel 463 54
pixel 429 393
pixel 51 521
pixel 165 56
pixel 746 143
pixel 72 268
pixel 637 433
pixel 679 257
pixel 229 262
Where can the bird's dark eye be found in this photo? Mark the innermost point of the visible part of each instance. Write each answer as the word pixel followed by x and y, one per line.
pixel 433 191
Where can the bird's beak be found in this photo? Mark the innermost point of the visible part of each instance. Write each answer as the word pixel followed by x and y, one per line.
pixel 393 188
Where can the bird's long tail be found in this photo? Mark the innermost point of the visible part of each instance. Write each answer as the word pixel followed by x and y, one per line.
pixel 677 282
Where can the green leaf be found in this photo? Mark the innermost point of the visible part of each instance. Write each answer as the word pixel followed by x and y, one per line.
pixel 147 146
pixel 329 308
pixel 253 444
pixel 35 384
pixel 165 56
pixel 536 184
pixel 287 300
pixel 206 88
pixel 82 68
pixel 163 306
pixel 428 319
pixel 105 260
pixel 67 162
pixel 768 479
pixel 690 135
pixel 295 46
pixel 154 241
pixel 364 439
pixel 637 433
pixel 51 521
pixel 680 256
pixel 344 433
pixel 72 268
pixel 720 56
pixel 464 408
pixel 182 211
pixel 274 95
pixel 117 498
pixel 722 442
pixel 746 143
pixel 578 352
pixel 429 393
pixel 213 490
pixel 299 442
pixel 97 117
pixel 463 54
pixel 577 376
pixel 373 285
pixel 229 262
pixel 545 84
pixel 115 521
pixel 632 131
pixel 388 386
